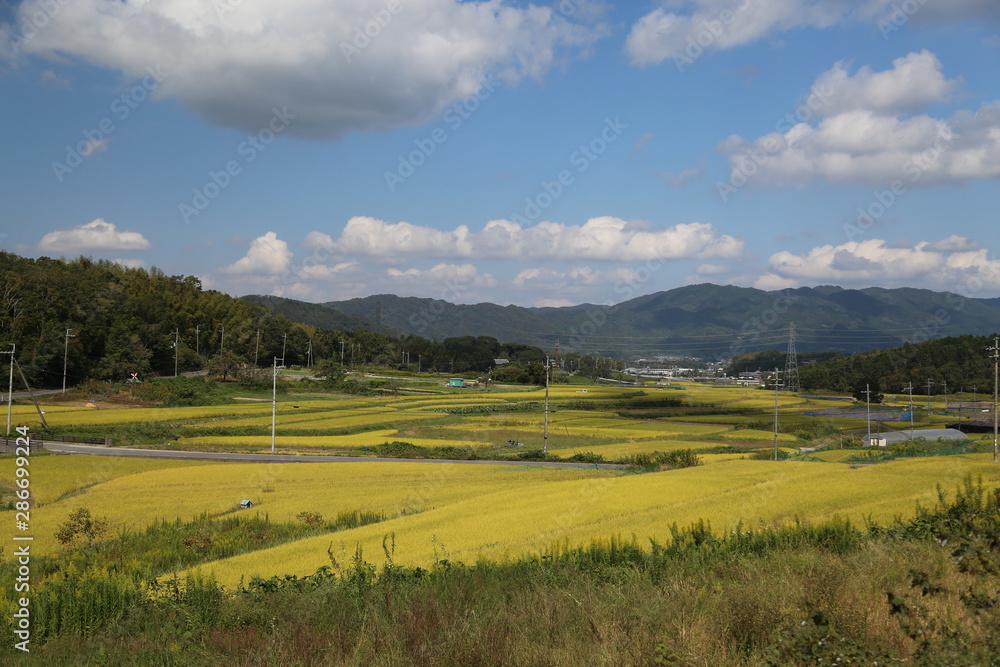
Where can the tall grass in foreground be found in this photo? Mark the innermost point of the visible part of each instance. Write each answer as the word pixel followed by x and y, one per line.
pixel 925 591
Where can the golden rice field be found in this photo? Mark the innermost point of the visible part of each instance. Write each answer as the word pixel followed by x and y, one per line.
pixel 477 511
pixel 511 520
pixel 286 414
pixel 135 492
pixel 63 475
pixel 104 417
pixel 755 435
pixel 466 512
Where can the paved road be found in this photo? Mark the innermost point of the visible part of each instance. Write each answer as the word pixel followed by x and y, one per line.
pixel 94 450
pixel 42 392
pixel 36 392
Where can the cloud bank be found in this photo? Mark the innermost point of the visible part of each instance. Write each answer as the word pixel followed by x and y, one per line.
pixel 363 65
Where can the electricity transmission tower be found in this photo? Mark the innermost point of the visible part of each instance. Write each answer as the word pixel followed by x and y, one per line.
pixel 791 362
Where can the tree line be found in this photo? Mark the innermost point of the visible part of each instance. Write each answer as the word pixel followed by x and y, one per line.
pixel 945 365
pixel 106 321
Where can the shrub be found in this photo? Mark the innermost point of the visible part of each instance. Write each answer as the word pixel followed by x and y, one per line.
pixel 82 524
pixel 310 518
pixel 672 460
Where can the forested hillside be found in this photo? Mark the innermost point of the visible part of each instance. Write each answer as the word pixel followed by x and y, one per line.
pixel 707 321
pixel 945 365
pixel 126 320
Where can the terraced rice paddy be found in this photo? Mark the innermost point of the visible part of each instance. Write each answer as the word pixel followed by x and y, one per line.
pixel 467 512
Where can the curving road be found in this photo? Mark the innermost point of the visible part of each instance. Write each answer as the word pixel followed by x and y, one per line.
pixel 95 450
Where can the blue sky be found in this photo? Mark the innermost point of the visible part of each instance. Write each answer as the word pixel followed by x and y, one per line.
pixel 537 154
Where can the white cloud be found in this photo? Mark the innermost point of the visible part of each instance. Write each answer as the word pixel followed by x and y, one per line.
pixel 863 137
pixel 953 243
pixel 317 271
pixel 546 302
pixel 450 282
pixel 713 269
pixel 453 274
pixel 771 282
pixel 712 25
pixel 572 280
pixel 376 238
pixel 914 82
pixel 234 62
pixel 95 235
pixel 604 238
pixel 953 264
pixel 715 24
pixel 579 284
pixel 130 263
pixel 267 255
pixel 94 147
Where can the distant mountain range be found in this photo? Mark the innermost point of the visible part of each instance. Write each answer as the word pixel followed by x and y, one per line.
pixel 707 321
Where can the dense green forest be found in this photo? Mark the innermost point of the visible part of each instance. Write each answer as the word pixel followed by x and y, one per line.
pixel 946 365
pixel 123 320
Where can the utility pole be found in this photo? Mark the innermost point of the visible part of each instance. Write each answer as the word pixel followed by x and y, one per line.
pixel 868 413
pixel 284 342
pixel 10 386
pixel 996 372
pixel 274 399
pixel 197 339
pixel 66 356
pixel 309 354
pixel 38 408
pixel 256 349
pixel 341 351
pixel 776 385
pixel 545 431
pixel 177 347
pixel 911 410
pixel 929 408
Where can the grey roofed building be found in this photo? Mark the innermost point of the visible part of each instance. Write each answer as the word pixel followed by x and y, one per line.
pixel 928 434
